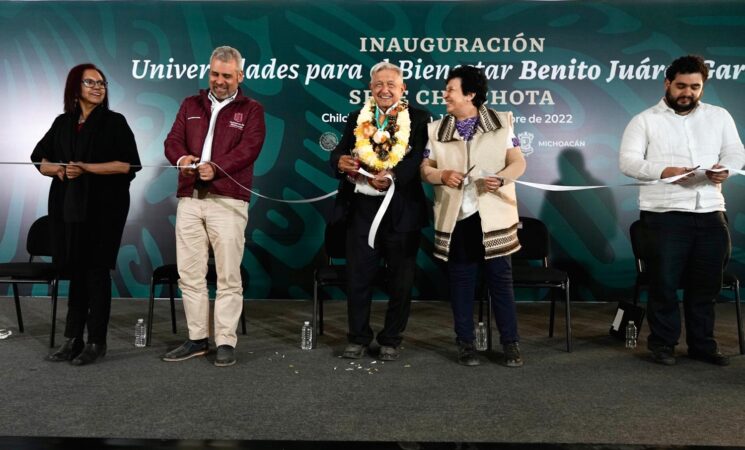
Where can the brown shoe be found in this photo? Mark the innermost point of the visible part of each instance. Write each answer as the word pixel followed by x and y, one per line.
pixel 388 353
pixel 512 356
pixel 354 351
pixel 716 357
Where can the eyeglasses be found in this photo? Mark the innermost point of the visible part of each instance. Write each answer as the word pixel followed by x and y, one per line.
pixel 89 83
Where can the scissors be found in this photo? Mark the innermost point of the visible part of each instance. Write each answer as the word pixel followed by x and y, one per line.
pixel 465 175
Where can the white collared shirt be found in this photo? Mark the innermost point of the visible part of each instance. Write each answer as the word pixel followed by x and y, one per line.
pixel 217 106
pixel 658 138
pixel 470 204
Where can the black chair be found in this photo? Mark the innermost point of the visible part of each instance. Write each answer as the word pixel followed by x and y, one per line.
pixel 38 243
pixel 168 275
pixel 640 245
pixel 530 269
pixel 333 273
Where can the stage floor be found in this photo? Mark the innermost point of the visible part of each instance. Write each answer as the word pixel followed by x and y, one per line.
pixel 601 394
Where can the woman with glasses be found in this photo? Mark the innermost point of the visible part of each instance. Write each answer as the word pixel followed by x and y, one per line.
pixel 91 155
pixel 472 158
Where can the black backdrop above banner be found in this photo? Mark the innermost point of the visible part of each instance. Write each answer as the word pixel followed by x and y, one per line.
pixel 573 73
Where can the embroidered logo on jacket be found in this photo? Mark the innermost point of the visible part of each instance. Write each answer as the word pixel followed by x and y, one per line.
pixel 237 121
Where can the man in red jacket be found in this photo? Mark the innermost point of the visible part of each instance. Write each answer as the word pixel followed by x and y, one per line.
pixel 214 141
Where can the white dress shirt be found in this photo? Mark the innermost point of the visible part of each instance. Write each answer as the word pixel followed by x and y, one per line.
pixel 470 204
pixel 658 138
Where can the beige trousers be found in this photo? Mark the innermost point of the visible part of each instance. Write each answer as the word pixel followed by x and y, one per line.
pixel 219 222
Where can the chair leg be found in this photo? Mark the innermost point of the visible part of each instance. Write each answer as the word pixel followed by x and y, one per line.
pixel 150 306
pixel 18 307
pixel 552 314
pixel 740 339
pixel 314 317
pixel 173 307
pixel 320 316
pixel 243 317
pixel 55 292
pixel 568 318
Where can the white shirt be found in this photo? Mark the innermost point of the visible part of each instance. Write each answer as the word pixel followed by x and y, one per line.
pixel 216 106
pixel 470 204
pixel 658 138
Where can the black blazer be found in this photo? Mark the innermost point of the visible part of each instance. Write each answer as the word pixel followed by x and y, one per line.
pixel 408 208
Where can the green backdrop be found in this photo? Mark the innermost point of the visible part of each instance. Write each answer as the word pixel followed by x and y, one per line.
pixel 573 73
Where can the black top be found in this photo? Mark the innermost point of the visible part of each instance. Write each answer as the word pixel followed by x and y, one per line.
pixel 408 209
pixel 88 213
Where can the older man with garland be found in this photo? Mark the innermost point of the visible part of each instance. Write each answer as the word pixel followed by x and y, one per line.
pixel 385 139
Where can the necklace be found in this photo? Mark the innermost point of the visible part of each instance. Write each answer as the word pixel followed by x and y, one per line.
pixel 381 147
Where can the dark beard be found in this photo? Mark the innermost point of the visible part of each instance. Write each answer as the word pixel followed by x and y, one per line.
pixel 673 103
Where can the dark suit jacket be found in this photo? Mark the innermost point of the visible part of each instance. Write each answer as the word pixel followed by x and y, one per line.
pixel 408 208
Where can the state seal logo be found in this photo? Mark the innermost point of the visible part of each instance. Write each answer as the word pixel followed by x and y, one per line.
pixel 328 141
pixel 526 141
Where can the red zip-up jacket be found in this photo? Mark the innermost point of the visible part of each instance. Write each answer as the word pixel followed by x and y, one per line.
pixel 238 137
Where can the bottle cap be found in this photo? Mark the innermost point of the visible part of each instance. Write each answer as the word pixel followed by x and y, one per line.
pixel 140 320
pixel 306 322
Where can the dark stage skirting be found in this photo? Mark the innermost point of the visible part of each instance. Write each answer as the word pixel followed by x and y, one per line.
pixel 599 394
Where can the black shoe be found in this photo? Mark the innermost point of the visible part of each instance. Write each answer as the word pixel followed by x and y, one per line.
pixel 354 351
pixel 187 350
pixel 467 354
pixel 716 357
pixel 225 356
pixel 90 353
pixel 512 356
pixel 388 353
pixel 663 355
pixel 68 351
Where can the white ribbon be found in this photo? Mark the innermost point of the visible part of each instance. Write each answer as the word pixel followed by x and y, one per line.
pixel 389 194
pixel 559 188
pixel 383 207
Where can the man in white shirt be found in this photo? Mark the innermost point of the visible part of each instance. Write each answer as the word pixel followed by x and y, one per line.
pixel 685 219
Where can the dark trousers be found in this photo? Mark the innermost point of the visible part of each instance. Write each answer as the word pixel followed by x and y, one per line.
pixel 465 258
pixel 399 251
pixel 690 251
pixel 89 304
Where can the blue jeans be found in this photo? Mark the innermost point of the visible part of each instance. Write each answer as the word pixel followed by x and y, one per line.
pixel 498 276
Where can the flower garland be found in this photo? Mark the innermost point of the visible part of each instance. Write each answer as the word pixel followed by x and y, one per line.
pixel 381 149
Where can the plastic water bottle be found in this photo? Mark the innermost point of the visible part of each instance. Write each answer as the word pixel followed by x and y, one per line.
pixel 5 333
pixel 306 336
pixel 140 333
pixel 481 337
pixel 631 335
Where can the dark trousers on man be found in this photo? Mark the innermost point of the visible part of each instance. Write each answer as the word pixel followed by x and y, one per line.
pixel 399 251
pixel 690 251
pixel 89 303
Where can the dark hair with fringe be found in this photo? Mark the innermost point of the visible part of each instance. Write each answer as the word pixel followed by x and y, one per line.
pixel 472 81
pixel 73 87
